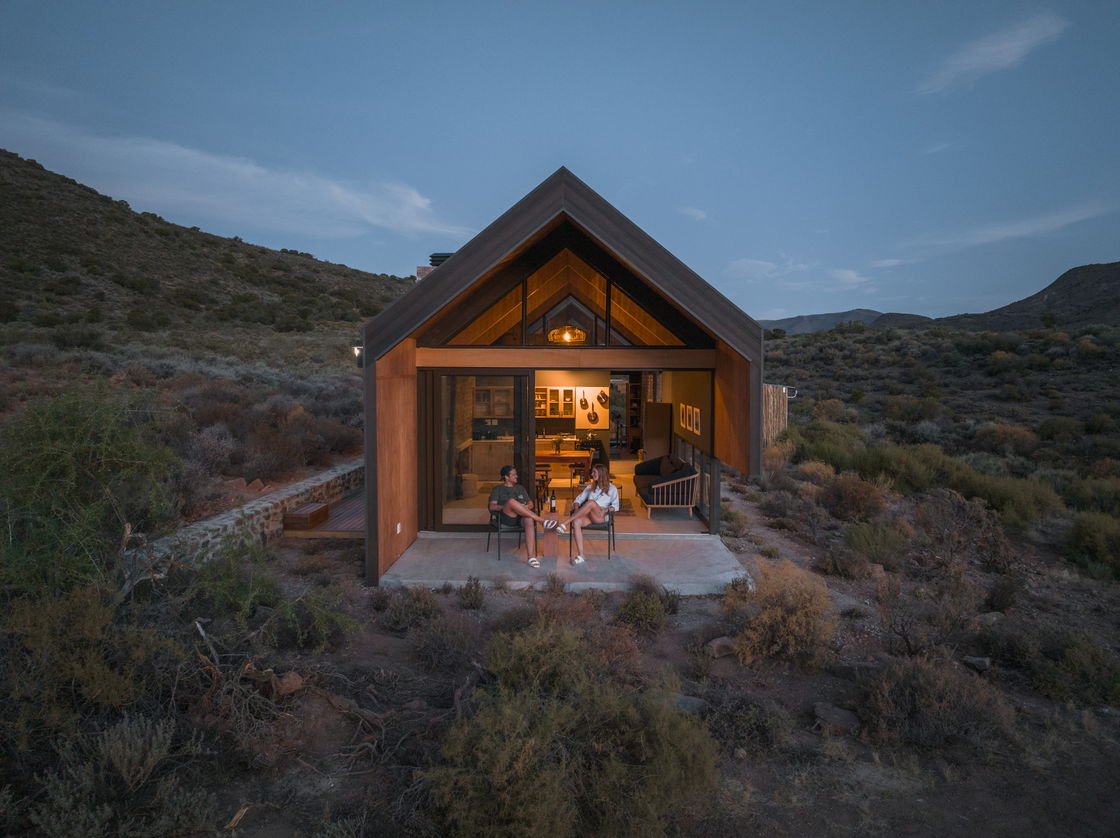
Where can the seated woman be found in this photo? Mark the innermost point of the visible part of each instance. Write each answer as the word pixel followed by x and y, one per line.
pixel 591 507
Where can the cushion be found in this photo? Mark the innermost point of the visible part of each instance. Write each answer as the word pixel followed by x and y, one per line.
pixel 667 466
pixel 687 471
pixel 649 466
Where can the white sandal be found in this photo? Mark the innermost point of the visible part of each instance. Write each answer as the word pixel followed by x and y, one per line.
pixel 562 529
pixel 534 562
pixel 577 560
pixel 549 524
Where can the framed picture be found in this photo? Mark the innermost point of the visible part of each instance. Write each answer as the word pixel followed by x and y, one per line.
pixel 685 417
pixel 696 420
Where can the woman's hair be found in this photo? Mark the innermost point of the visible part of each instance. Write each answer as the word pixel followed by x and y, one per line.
pixel 601 477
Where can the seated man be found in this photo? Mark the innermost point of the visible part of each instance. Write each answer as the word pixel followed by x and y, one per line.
pixel 510 500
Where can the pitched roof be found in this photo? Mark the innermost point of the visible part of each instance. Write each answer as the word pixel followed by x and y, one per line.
pixel 563 194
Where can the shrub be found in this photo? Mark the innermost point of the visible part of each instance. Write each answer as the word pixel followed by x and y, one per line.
pixel 311 621
pixel 733 522
pixel 446 642
pixel 883 542
pixel 918 702
pixel 1059 428
pixel 409 607
pixel 793 619
pixel 840 561
pixel 74 470
pixel 1006 439
pixel 1095 494
pixel 235 582
pixel 1094 541
pixel 849 497
pixel 68 655
pixel 559 749
pixel 954 528
pixel 815 472
pixel 738 722
pixel 642 610
pixel 472 594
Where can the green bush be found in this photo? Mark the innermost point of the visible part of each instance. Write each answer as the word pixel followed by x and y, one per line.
pixel 472 594
pixel 643 610
pixel 1061 664
pixel 1059 428
pixel 1094 541
pixel 74 471
pixel 235 582
pixel 851 498
pixel 840 561
pixel 409 607
pixel 312 620
pixel 883 542
pixel 561 749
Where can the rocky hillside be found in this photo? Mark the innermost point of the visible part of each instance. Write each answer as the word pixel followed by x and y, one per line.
pixel 808 323
pixel 1082 296
pixel 78 262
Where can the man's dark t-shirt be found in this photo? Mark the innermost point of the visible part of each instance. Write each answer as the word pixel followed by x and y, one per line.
pixel 502 493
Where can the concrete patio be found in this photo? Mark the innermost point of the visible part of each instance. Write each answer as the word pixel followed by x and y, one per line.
pixel 691 564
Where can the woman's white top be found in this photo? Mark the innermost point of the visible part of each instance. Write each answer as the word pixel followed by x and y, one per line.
pixel 607 499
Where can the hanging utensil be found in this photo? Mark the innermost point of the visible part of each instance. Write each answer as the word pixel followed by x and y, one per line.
pixel 582 401
pixel 602 397
pixel 593 417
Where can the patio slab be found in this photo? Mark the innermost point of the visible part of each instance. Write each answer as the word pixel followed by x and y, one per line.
pixel 691 564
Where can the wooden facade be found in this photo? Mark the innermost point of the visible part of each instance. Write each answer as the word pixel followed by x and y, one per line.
pixel 481 315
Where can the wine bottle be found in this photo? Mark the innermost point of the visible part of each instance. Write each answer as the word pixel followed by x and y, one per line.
pixel 552 502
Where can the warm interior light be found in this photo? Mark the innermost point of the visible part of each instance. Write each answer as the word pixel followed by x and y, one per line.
pixel 567 334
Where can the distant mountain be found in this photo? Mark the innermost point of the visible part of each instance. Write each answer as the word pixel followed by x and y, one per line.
pixel 1079 297
pixel 90 268
pixel 806 323
pixel 901 321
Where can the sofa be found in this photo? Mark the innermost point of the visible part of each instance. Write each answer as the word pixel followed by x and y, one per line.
pixel 666 482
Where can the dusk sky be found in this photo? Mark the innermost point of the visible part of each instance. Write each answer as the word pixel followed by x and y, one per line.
pixel 803 157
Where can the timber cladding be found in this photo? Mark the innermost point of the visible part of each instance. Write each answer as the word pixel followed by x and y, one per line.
pixel 775 411
pixel 397 454
pixel 732 409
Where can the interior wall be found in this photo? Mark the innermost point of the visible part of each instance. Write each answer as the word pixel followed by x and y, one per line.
pixel 692 388
pixel 585 382
pixel 735 415
pixel 397 454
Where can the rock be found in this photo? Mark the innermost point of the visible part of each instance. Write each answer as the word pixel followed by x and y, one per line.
pixel 690 704
pixel 740 753
pixel 878 571
pixel 256 486
pixel 858 671
pixel 834 721
pixel 237 484
pixel 721 647
pixel 289 682
pixel 977 664
pixel 989 619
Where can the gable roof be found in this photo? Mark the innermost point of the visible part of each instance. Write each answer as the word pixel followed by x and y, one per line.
pixel 563 194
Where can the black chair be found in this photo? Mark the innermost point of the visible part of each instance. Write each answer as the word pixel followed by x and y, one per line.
pixel 607 526
pixel 497 526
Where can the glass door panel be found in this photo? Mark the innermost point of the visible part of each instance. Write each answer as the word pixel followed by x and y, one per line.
pixel 482 427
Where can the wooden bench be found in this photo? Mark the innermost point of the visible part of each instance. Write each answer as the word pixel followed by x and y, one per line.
pixel 306 517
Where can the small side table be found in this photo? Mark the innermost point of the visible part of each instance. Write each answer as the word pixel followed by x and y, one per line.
pixel 548 541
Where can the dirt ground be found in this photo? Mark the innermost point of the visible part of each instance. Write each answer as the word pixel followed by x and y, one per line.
pixel 369 714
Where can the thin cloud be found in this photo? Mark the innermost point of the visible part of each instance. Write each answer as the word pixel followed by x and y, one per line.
pixel 847 276
pixel 937 148
pixel 887 263
pixel 758 270
pixel 693 212
pixel 1019 229
pixel 178 181
pixel 999 51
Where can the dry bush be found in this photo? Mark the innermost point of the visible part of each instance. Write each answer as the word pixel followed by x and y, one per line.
pixel 409 607
pixel 1006 439
pixel 313 620
pixel 793 618
pixel 733 522
pixel 644 611
pixel 447 642
pixel 1060 664
pixel 926 704
pixel 738 722
pixel 955 528
pixel 926 618
pixel 471 594
pixel 851 498
pixel 816 472
pixel 840 561
pixel 776 455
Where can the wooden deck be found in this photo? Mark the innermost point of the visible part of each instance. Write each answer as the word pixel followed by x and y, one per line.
pixel 346 519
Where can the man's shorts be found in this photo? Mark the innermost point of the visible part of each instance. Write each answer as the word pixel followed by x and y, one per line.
pixel 507 521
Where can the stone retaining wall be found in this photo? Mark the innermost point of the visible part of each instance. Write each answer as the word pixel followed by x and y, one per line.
pixel 260 520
